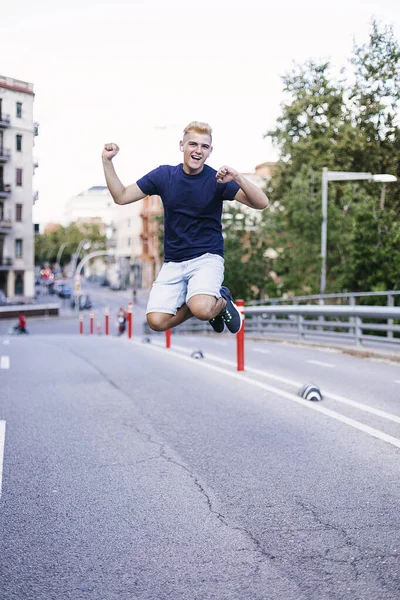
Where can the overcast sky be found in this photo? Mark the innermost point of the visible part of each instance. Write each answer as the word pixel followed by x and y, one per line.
pixel 137 72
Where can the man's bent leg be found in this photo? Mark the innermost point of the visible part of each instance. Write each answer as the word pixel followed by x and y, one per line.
pixel 159 321
pixel 206 307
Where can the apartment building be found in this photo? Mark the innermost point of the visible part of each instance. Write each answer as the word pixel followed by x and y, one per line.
pixel 93 203
pixel 17 132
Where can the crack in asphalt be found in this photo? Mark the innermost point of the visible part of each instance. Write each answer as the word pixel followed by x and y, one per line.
pixel 348 541
pixel 163 455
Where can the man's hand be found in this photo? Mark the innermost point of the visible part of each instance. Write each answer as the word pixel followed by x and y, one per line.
pixel 226 174
pixel 109 151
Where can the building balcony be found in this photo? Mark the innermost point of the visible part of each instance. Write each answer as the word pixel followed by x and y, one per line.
pixel 5 225
pixel 5 155
pixel 5 263
pixel 5 190
pixel 5 121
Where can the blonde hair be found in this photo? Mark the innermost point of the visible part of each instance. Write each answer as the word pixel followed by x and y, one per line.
pixel 198 127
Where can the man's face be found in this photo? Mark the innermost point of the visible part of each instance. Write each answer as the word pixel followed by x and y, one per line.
pixel 196 148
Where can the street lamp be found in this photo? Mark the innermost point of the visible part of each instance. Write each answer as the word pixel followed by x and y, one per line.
pixel 85 244
pixel 340 176
pixel 61 250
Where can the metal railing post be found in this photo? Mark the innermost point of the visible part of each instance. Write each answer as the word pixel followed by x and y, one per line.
pixel 390 303
pixel 358 331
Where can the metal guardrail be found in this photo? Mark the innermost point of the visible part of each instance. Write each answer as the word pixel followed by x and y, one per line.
pixel 354 323
pixel 351 298
pixel 351 323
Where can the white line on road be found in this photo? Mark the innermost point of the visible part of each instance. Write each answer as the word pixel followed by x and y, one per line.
pixel 306 403
pixel 2 439
pixel 261 350
pixel 297 384
pixel 397 380
pixel 4 362
pixel 6 342
pixel 321 364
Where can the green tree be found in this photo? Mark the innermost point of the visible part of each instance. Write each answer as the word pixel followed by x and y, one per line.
pixel 344 124
pixel 48 244
pixel 247 266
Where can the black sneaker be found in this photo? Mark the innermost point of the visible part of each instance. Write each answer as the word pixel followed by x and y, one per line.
pixel 217 323
pixel 231 314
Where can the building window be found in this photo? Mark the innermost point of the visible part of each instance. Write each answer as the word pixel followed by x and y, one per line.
pixel 19 284
pixel 129 223
pixel 18 212
pixel 18 248
pixel 18 177
pixel 129 242
pixel 18 142
pixel 18 107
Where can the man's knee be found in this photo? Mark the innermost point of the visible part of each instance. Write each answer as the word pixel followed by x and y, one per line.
pixel 157 321
pixel 203 306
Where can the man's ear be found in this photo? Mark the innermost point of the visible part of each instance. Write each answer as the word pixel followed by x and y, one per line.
pixel 181 146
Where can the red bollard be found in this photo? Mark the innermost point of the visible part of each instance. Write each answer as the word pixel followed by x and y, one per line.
pixel 91 322
pixel 240 339
pixel 168 338
pixel 107 317
pixel 81 323
pixel 129 320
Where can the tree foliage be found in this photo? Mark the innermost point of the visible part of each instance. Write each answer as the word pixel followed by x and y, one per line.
pixel 348 123
pixel 48 244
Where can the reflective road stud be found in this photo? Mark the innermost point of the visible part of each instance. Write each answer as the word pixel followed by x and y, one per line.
pixel 310 391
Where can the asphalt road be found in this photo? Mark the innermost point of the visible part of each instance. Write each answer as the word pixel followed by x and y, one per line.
pixel 135 472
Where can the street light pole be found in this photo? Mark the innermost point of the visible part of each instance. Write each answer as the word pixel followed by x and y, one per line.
pixel 82 244
pixel 60 251
pixel 340 176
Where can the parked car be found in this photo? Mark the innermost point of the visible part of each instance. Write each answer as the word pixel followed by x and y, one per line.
pixel 3 298
pixel 85 302
pixel 64 291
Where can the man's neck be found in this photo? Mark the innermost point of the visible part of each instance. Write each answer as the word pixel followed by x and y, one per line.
pixel 190 171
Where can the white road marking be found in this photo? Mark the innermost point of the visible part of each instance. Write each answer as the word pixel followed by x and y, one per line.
pixel 6 342
pixel 262 350
pixel 306 403
pixel 321 364
pixel 397 380
pixel 4 362
pixel 2 439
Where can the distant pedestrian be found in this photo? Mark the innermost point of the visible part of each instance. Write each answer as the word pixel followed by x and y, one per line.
pixel 121 321
pixel 21 325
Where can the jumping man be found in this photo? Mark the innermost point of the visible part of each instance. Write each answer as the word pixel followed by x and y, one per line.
pixel 190 280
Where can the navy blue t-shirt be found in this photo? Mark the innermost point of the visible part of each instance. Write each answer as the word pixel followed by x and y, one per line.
pixel 192 209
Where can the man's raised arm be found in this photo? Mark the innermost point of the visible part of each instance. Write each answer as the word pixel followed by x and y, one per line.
pixel 249 194
pixel 120 193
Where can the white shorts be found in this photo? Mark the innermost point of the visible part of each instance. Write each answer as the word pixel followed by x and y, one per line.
pixel 177 282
